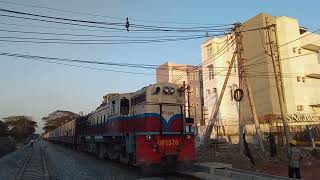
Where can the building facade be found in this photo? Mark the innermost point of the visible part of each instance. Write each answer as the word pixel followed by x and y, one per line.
pixel 296 53
pixel 185 74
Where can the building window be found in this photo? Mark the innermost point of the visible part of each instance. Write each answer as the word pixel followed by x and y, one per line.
pixel 191 91
pixel 97 121
pixel 197 92
pixel 190 76
pixel 231 93
pixel 209 50
pixel 211 75
pixel 196 76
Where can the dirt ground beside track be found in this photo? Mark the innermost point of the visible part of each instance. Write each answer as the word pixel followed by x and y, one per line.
pixel 264 164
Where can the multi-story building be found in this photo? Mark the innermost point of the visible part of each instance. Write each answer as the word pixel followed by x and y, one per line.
pixel 297 61
pixel 185 74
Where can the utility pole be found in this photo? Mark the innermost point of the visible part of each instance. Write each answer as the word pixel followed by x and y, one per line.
pixel 184 93
pixel 278 84
pixel 188 96
pixel 249 90
pixel 188 92
pixel 241 124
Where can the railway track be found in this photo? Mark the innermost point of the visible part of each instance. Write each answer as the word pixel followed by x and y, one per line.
pixel 34 166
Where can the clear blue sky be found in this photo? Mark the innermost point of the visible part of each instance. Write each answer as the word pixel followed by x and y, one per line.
pixel 36 88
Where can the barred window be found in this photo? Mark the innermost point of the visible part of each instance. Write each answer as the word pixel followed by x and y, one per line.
pixel 211 73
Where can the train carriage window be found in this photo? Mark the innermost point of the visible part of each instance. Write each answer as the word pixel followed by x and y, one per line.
pixel 113 107
pixel 124 106
pixel 97 121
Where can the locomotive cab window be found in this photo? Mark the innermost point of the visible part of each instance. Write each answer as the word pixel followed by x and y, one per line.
pixel 124 106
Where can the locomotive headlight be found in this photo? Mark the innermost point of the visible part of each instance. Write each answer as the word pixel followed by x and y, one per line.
pixel 166 90
pixel 188 137
pixel 148 137
pixel 172 90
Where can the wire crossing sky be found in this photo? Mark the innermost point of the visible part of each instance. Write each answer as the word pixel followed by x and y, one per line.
pixel 95 30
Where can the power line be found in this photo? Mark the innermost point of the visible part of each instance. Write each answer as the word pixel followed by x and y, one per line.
pixel 59 22
pixel 75 42
pixel 148 66
pixel 56 61
pixel 92 35
pixel 58 28
pixel 99 40
pixel 112 17
pixel 63 19
pixel 139 27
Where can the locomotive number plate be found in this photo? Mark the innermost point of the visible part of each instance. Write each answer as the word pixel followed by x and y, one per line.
pixel 168 142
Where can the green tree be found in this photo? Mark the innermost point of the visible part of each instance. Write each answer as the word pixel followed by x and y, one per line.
pixel 57 118
pixel 21 126
pixel 4 130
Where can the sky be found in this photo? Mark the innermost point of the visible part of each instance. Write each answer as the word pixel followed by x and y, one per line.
pixel 36 88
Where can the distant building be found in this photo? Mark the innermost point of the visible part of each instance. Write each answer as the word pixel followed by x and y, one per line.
pixel 298 52
pixel 179 73
pixel 107 97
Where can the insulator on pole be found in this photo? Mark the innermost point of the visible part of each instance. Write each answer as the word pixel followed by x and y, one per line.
pixel 127 24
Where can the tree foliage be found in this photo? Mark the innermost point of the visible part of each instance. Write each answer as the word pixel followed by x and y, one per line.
pixel 4 129
pixel 20 127
pixel 57 118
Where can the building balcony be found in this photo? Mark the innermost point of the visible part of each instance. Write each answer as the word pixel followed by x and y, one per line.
pixel 311 42
pixel 312 70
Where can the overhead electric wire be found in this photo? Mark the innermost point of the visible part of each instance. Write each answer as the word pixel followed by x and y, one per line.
pixel 63 19
pixel 137 28
pixel 147 66
pixel 54 61
pixel 60 22
pixel 58 28
pixel 44 41
pixel 93 35
pixel 99 40
pixel 112 17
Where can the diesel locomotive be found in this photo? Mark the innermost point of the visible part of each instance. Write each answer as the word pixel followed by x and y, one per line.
pixel 143 128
